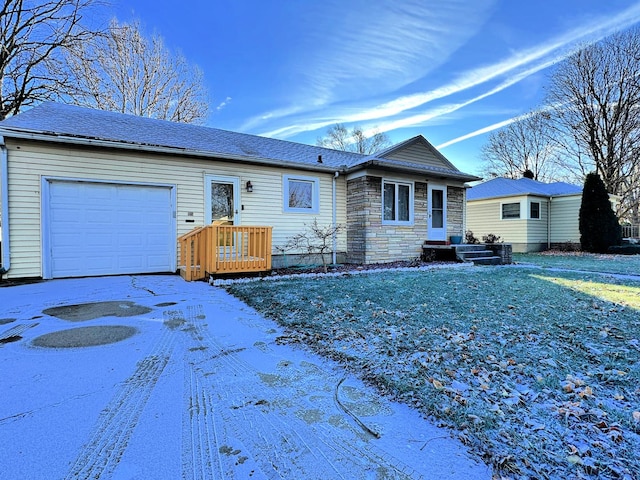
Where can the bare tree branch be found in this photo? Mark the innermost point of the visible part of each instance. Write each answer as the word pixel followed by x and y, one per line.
pixel 124 71
pixel 33 37
pixel 595 96
pixel 524 145
pixel 339 137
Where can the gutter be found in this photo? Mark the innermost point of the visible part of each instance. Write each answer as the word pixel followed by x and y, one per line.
pixel 334 251
pixel 4 187
pixel 549 223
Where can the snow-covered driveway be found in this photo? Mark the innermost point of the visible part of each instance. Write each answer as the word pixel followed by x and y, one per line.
pixel 195 387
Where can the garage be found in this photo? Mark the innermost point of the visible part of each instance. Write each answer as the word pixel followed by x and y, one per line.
pixel 95 228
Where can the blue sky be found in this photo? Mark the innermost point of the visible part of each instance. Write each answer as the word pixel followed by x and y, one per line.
pixel 451 70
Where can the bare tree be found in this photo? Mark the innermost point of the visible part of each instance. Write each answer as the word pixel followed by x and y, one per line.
pixel 340 137
pixel 33 36
pixel 123 71
pixel 524 145
pixel 316 240
pixel 595 96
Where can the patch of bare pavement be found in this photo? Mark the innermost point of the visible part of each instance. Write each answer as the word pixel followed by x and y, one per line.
pixel 166 379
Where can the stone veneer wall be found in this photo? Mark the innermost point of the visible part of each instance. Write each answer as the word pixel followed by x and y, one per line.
pixel 502 250
pixel 358 208
pixel 455 211
pixel 368 240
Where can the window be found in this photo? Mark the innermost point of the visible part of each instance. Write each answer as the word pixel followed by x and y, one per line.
pixel 301 194
pixel 510 210
pixel 397 202
pixel 534 210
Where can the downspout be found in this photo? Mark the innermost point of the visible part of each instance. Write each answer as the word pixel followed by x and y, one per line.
pixel 334 252
pixel 4 186
pixel 549 223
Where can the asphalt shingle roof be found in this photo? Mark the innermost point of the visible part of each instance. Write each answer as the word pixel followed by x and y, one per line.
pixel 505 187
pixel 68 120
pixel 61 121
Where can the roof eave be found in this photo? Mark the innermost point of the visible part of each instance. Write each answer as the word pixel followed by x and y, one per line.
pixel 511 195
pixel 9 132
pixel 463 177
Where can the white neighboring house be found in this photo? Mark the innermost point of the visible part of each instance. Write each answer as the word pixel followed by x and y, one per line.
pixel 531 215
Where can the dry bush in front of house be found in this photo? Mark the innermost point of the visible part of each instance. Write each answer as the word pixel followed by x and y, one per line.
pixel 470 238
pixel 491 238
pixel 316 240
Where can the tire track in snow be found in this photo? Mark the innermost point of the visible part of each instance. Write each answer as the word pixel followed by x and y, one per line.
pixel 200 456
pixel 100 455
pixel 283 446
pixel 207 451
pixel 16 330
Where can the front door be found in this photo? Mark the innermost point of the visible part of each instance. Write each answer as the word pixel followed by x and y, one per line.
pixel 437 215
pixel 222 200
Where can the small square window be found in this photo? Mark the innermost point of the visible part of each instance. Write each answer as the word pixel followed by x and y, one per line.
pixel 510 211
pixel 300 194
pixel 534 210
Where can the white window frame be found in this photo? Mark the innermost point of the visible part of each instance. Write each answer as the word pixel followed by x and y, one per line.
pixel 405 183
pixel 539 210
pixel 315 194
pixel 502 204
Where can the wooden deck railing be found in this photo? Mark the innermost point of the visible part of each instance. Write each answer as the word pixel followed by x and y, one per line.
pixel 216 249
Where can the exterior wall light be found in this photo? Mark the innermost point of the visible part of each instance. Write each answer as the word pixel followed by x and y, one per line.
pixel 249 186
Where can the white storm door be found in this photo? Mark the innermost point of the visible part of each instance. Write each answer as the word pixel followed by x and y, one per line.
pixel 222 200
pixel 437 212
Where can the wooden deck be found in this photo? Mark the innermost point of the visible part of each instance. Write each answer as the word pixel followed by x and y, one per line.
pixel 224 249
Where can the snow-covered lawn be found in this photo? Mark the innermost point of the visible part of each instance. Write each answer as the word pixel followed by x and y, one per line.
pixel 536 370
pixel 620 264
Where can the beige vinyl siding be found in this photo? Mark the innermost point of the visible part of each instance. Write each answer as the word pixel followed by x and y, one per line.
pixel 565 218
pixel 485 216
pixel 481 216
pixel 537 228
pixel 419 153
pixel 29 161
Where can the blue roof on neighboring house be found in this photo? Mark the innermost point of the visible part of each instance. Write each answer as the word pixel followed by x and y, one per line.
pixel 507 187
pixel 61 122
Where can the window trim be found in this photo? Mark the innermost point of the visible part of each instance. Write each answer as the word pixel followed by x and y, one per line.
pixel 405 183
pixel 519 217
pixel 315 194
pixel 531 217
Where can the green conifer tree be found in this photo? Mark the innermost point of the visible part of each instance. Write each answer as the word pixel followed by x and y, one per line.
pixel 599 227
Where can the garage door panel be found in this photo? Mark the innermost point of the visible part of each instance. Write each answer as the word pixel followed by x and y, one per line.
pixel 131 262
pixel 97 239
pixel 103 229
pixel 131 218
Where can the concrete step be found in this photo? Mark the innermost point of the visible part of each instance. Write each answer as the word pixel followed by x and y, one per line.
pixel 468 247
pixel 486 261
pixel 474 254
pixel 479 254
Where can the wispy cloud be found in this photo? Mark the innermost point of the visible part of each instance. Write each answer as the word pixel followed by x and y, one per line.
pixel 364 49
pixel 223 104
pixel 376 47
pixel 480 131
pixel 515 68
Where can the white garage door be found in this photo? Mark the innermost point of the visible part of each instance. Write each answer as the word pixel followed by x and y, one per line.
pixel 107 229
